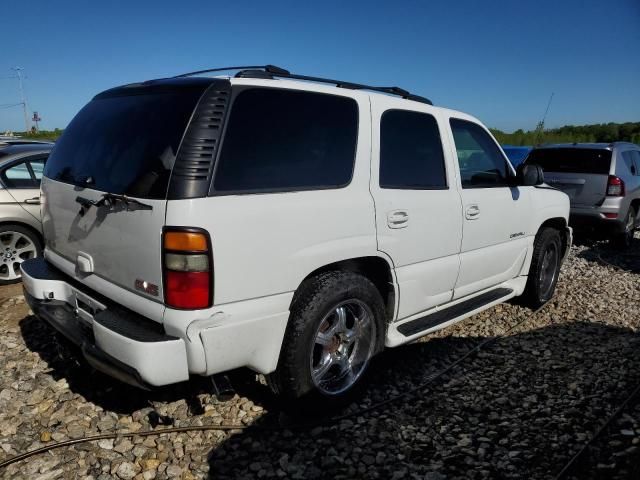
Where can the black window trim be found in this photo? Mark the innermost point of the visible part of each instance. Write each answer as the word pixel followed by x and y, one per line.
pixel 444 160
pixel 237 90
pixel 510 169
pixel 26 159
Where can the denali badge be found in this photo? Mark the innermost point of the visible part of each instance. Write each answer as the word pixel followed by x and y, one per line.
pixel 146 287
pixel 514 235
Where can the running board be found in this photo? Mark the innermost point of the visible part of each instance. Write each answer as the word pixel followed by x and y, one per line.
pixel 442 316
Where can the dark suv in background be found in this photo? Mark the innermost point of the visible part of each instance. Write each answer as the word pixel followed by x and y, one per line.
pixel 602 181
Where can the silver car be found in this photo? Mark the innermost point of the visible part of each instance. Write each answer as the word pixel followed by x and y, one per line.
pixel 21 168
pixel 602 181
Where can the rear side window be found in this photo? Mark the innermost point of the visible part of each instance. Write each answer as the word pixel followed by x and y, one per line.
pixel 26 174
pixel 482 164
pixel 411 151
pixel 572 160
pixel 124 144
pixel 632 159
pixel 285 140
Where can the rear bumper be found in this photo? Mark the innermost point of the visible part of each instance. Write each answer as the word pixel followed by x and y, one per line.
pixel 594 219
pixel 114 340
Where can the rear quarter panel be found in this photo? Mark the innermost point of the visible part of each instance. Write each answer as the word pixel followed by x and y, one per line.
pixel 266 244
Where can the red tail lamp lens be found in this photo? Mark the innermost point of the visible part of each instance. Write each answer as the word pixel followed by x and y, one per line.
pixel 187 289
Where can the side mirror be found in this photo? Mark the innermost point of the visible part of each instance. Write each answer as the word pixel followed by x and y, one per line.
pixel 529 175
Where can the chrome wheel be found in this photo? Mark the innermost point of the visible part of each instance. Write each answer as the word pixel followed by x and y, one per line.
pixel 548 270
pixel 15 248
pixel 343 345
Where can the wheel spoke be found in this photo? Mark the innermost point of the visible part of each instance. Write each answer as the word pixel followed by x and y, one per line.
pixel 324 338
pixel 342 346
pixel 28 248
pixel 15 238
pixel 326 361
pixel 341 321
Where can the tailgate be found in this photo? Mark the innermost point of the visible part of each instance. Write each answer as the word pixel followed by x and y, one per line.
pixel 105 183
pixel 583 189
pixel 122 245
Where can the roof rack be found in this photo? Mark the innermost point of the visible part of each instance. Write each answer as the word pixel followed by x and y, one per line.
pixel 271 71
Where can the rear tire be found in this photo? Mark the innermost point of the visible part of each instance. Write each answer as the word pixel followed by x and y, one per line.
pixel 624 239
pixel 545 268
pixel 17 244
pixel 335 328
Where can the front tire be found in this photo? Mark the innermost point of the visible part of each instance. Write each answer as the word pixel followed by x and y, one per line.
pixel 17 244
pixel 335 328
pixel 545 268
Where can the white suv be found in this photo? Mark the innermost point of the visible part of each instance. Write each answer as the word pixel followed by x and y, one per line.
pixel 289 224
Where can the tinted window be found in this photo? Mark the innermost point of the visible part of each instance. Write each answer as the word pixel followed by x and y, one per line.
pixel 481 162
pixel 516 155
pixel 18 176
pixel 572 160
pixel 278 140
pixel 124 144
pixel 410 151
pixel 37 167
pixel 636 160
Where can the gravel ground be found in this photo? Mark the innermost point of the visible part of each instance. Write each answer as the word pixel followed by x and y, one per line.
pixel 521 408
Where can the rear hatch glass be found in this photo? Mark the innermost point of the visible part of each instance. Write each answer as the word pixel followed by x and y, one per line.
pixel 582 173
pixel 123 144
pixel 572 160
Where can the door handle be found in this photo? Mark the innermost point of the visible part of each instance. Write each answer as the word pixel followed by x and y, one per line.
pixel 472 212
pixel 33 201
pixel 397 219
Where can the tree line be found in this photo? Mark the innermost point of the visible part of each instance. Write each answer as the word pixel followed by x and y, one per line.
pixel 600 132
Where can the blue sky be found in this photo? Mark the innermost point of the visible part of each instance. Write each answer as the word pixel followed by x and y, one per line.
pixel 498 60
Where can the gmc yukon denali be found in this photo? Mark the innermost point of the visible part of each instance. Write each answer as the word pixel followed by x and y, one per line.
pixel 293 225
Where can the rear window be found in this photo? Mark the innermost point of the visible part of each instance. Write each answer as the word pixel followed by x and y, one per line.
pixel 572 160
pixel 124 144
pixel 284 140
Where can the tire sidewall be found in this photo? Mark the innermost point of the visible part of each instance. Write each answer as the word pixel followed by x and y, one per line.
pixel 312 314
pixel 548 237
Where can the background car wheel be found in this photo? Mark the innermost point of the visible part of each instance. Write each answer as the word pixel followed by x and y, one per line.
pixel 625 238
pixel 335 328
pixel 17 244
pixel 545 268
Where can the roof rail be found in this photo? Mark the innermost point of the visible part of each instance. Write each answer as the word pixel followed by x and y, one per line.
pixel 267 68
pixel 271 71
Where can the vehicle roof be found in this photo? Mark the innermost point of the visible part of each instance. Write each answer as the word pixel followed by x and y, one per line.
pixel 10 151
pixel 592 146
pixel 393 101
pixel 204 81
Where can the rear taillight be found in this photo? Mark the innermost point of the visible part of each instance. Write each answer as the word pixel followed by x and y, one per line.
pixel 187 263
pixel 615 187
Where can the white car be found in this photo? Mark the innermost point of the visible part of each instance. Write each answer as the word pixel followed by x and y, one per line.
pixel 290 224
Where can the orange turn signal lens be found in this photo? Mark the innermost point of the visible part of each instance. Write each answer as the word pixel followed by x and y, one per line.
pixel 185 241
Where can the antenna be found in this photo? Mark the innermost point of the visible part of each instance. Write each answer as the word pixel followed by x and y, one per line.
pixel 19 71
pixel 540 126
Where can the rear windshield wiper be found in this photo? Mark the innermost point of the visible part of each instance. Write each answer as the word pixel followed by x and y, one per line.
pixel 111 199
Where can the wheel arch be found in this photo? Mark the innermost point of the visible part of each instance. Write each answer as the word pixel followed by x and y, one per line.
pixel 33 230
pixel 377 269
pixel 560 224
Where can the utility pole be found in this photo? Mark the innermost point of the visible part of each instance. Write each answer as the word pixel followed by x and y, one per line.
pixel 540 126
pixel 18 71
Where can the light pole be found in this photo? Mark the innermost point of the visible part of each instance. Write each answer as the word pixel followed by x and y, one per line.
pixel 18 71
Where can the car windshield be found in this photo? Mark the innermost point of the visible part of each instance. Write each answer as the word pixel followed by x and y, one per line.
pixel 572 160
